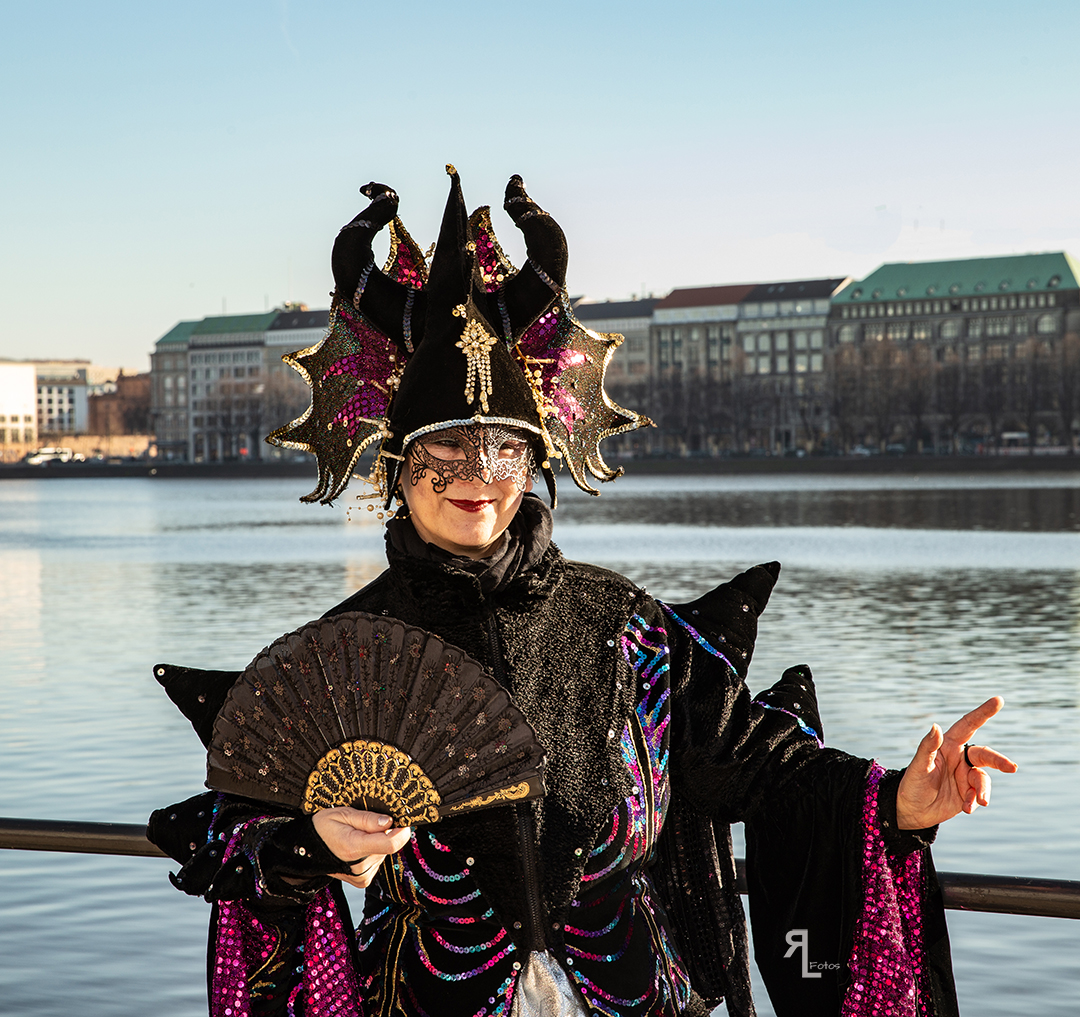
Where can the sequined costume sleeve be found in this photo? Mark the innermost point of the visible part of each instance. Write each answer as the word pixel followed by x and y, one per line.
pixel 845 911
pixel 280 933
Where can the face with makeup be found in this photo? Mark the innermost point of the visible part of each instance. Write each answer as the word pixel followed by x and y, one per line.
pixel 463 485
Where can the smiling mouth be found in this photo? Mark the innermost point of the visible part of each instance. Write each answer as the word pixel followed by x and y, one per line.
pixel 470 506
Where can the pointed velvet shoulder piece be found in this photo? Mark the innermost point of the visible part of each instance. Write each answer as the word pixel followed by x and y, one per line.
pixel 727 616
pixel 199 695
pixel 796 695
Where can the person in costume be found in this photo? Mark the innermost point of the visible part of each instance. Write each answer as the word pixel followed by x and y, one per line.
pixel 613 893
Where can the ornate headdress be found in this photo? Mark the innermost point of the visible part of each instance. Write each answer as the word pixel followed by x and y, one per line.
pixel 474 340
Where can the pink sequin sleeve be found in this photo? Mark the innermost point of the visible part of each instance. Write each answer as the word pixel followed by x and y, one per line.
pixel 887 961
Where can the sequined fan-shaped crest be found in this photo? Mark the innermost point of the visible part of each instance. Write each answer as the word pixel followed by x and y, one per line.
pixel 495 266
pixel 353 372
pixel 405 263
pixel 566 364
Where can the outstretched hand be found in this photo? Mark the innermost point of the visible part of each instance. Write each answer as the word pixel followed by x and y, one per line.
pixel 939 783
pixel 362 838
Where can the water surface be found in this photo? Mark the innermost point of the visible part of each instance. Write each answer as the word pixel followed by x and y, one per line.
pixel 911 600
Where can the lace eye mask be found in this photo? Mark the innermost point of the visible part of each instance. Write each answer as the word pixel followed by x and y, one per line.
pixel 487 453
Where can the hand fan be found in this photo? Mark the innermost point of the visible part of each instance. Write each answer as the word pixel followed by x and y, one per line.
pixel 367 711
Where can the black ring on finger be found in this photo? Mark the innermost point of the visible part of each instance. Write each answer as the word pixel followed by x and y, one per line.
pixel 967 758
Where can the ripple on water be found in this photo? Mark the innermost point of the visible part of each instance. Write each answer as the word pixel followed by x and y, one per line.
pixel 902 626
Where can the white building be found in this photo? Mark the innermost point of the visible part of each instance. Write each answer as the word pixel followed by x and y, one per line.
pixel 18 404
pixel 63 387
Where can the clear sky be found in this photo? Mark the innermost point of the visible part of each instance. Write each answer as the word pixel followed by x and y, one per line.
pixel 163 161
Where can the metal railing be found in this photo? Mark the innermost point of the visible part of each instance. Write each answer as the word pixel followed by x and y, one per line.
pixel 962 891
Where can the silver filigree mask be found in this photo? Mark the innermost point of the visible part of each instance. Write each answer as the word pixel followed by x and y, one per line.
pixel 487 453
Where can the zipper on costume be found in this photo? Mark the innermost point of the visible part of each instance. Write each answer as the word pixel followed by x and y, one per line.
pixel 535 935
pixel 536 938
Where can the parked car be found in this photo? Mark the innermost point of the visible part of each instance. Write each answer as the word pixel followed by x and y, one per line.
pixel 53 455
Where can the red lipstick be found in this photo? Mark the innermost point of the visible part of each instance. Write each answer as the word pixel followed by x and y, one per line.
pixel 470 506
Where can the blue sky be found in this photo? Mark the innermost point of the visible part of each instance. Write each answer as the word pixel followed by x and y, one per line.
pixel 163 161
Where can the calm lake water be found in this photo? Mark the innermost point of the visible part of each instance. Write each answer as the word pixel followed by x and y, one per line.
pixel 912 600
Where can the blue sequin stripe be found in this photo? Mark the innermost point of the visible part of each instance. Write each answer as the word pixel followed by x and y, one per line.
pixel 798 720
pixel 695 635
pixel 645 650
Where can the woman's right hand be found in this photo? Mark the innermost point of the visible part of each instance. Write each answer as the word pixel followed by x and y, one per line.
pixel 352 834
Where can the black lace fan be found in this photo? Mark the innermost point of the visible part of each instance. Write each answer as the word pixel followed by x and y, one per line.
pixel 366 711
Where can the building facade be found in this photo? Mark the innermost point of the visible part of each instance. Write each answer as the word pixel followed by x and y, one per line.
pixel 18 404
pixel 956 353
pixel 734 367
pixel 218 386
pixel 169 409
pixel 64 388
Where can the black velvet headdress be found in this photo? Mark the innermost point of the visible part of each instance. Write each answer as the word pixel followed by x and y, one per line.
pixel 472 341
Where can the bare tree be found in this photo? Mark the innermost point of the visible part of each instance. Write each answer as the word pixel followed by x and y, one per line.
pixel 810 407
pixel 1032 376
pixel 917 392
pixel 993 396
pixel 881 390
pixel 844 394
pixel 1068 386
pixel 952 398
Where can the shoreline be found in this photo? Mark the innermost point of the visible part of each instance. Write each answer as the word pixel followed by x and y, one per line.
pixel 810 466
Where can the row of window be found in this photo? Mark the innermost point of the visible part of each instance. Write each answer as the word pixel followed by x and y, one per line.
pixel 695 333
pixel 54 390
pixel 27 419
pixel 15 436
pixel 764 342
pixel 955 353
pixel 227 357
pixel 233 420
pixel 224 372
pixel 951 328
pixel 801 363
pixel 784 307
pixel 895 309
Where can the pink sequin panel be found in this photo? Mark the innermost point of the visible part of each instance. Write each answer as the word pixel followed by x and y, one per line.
pixel 488 260
pixel 244 945
pixel 405 269
pixel 365 356
pixel 329 978
pixel 547 341
pixel 887 952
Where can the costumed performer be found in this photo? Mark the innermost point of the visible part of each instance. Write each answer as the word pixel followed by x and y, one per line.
pixel 614 894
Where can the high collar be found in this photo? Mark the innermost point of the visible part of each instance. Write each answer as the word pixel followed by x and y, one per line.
pixel 520 550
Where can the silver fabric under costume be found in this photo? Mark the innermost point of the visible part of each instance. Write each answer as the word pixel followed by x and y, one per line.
pixel 543 990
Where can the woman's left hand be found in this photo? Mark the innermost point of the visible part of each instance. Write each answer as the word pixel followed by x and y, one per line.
pixel 939 783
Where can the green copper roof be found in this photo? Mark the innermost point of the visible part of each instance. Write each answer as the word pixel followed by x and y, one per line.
pixel 179 333
pixel 230 323
pixel 1021 273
